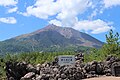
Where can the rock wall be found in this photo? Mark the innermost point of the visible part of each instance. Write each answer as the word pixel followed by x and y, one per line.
pixel 52 71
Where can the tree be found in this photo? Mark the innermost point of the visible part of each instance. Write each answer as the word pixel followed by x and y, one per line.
pixel 112 45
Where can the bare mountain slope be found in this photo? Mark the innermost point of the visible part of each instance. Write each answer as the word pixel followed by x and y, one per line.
pixel 50 38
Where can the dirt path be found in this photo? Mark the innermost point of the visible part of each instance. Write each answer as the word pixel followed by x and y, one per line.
pixel 104 78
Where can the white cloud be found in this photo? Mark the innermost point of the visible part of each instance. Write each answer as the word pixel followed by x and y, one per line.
pixel 43 9
pixel 102 29
pixel 66 13
pixel 64 8
pixel 101 5
pixel 95 26
pixel 97 9
pixel 111 3
pixel 8 20
pixel 12 10
pixel 55 22
pixel 70 9
pixel 8 2
pixel 94 13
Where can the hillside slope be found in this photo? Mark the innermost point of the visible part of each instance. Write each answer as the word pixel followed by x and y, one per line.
pixel 50 38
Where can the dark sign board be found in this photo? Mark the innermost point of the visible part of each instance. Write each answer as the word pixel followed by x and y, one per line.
pixel 116 70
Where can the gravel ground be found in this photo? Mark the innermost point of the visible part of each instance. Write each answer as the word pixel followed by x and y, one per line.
pixel 104 78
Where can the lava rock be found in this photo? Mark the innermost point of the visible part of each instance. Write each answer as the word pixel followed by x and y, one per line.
pixel 28 76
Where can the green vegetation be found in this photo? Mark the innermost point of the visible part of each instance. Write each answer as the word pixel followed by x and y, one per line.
pixel 111 47
pixel 37 57
pixel 2 65
pixel 19 47
pixel 113 44
pixel 32 58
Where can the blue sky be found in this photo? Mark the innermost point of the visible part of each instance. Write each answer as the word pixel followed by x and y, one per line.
pixel 95 17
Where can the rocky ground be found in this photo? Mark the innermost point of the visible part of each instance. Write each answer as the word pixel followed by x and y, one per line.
pixel 104 78
pixel 52 71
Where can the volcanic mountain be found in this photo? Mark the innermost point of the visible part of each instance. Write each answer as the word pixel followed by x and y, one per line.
pixel 49 38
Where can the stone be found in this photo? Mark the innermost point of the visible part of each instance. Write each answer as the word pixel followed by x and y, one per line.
pixel 108 74
pixel 31 68
pixel 89 75
pixel 107 71
pixel 52 71
pixel 15 69
pixel 11 78
pixel 38 77
pixel 28 76
pixel 63 76
pixel 87 67
pixel 99 68
pixel 108 57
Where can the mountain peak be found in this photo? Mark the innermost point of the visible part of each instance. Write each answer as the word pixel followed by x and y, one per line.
pixel 48 27
pixel 51 37
pixel 66 32
pixel 51 26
